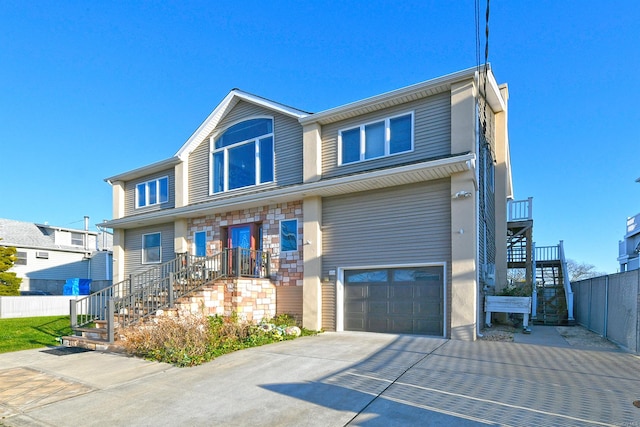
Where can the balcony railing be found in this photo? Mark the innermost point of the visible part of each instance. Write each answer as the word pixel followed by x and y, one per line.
pixel 520 210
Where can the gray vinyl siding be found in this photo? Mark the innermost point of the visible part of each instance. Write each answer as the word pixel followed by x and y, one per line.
pixel 399 225
pixel 133 246
pixel 432 135
pixel 130 193
pixel 287 144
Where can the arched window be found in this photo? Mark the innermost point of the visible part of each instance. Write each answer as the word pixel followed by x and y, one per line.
pixel 243 155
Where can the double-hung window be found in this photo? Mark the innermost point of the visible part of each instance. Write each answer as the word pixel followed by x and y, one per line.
pixel 152 192
pixel 151 248
pixel 243 155
pixel 382 138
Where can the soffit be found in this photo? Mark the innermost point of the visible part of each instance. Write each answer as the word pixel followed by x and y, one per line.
pixel 366 181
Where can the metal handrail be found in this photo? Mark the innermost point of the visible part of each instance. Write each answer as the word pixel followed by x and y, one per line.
pixel 142 294
pixel 568 292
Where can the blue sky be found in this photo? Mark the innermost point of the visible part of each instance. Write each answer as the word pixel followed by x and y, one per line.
pixel 90 89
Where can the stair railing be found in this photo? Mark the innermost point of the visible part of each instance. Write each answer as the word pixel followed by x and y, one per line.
pixel 141 295
pixel 534 284
pixel 568 292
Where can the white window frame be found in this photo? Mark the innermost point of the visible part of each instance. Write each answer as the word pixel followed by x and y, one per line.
pixel 159 201
pixel 142 255
pixel 225 150
pixel 77 237
pixel 297 235
pixel 387 138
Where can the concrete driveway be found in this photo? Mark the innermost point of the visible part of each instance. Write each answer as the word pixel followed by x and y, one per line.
pixel 334 379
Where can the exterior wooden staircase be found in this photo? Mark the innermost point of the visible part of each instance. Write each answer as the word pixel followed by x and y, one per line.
pixel 96 318
pixel 553 302
pixel 545 267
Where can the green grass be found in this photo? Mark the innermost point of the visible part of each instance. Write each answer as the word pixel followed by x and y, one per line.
pixel 32 332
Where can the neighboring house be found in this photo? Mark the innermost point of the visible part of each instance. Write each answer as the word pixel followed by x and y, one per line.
pixel 387 214
pixel 629 248
pixel 47 255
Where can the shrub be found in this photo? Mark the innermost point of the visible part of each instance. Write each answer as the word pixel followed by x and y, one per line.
pixel 194 340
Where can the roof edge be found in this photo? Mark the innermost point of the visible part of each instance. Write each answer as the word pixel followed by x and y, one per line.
pixel 144 170
pixel 438 81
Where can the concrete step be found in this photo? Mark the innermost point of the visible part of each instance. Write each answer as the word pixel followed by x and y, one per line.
pixel 91 344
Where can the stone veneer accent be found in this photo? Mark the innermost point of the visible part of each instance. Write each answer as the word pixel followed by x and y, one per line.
pixel 286 267
pixel 251 299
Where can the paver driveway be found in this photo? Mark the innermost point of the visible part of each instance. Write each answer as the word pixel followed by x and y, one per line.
pixel 334 379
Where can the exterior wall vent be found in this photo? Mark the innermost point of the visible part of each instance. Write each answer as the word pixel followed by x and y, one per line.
pixel 42 255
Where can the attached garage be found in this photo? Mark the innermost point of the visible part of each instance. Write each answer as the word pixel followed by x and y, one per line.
pixel 408 300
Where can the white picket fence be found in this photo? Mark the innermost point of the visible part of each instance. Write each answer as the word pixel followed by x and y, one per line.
pixel 36 305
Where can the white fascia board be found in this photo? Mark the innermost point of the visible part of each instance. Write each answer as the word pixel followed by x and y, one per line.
pixel 397 93
pixel 145 170
pixel 493 93
pixel 463 162
pixel 210 123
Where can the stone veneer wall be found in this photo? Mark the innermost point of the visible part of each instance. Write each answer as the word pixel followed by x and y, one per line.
pixel 286 267
pixel 251 299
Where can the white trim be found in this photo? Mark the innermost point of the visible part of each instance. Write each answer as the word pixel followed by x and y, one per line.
pixel 379 101
pixel 340 288
pixel 382 178
pixel 387 138
pixel 232 98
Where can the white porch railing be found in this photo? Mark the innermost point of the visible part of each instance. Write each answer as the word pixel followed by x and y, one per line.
pixel 567 282
pixel 520 210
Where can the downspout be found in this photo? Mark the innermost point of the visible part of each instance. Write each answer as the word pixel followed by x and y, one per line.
pixel 480 306
pixel 606 305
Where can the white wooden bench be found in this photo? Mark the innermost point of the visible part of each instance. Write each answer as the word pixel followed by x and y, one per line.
pixel 506 304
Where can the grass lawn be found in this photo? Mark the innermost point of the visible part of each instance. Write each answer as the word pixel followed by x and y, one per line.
pixel 32 332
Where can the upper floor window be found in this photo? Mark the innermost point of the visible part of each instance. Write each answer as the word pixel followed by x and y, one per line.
pixel 377 139
pixel 243 155
pixel 77 239
pixel 152 192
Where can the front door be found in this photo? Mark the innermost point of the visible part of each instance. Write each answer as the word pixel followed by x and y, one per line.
pixel 240 242
pixel 240 237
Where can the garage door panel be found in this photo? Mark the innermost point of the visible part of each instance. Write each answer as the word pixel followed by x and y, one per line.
pixel 401 300
pixel 398 291
pixel 354 323
pixel 377 308
pixel 356 307
pixel 377 291
pixel 377 324
pixel 355 291
pixel 401 307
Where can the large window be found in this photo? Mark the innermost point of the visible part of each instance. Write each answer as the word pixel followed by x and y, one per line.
pixel 152 192
pixel 243 155
pixel 377 139
pixel 151 248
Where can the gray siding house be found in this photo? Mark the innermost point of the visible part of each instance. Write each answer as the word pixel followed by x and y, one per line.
pixel 387 214
pixel 48 255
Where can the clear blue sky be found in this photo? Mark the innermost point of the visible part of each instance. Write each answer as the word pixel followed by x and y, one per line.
pixel 90 89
